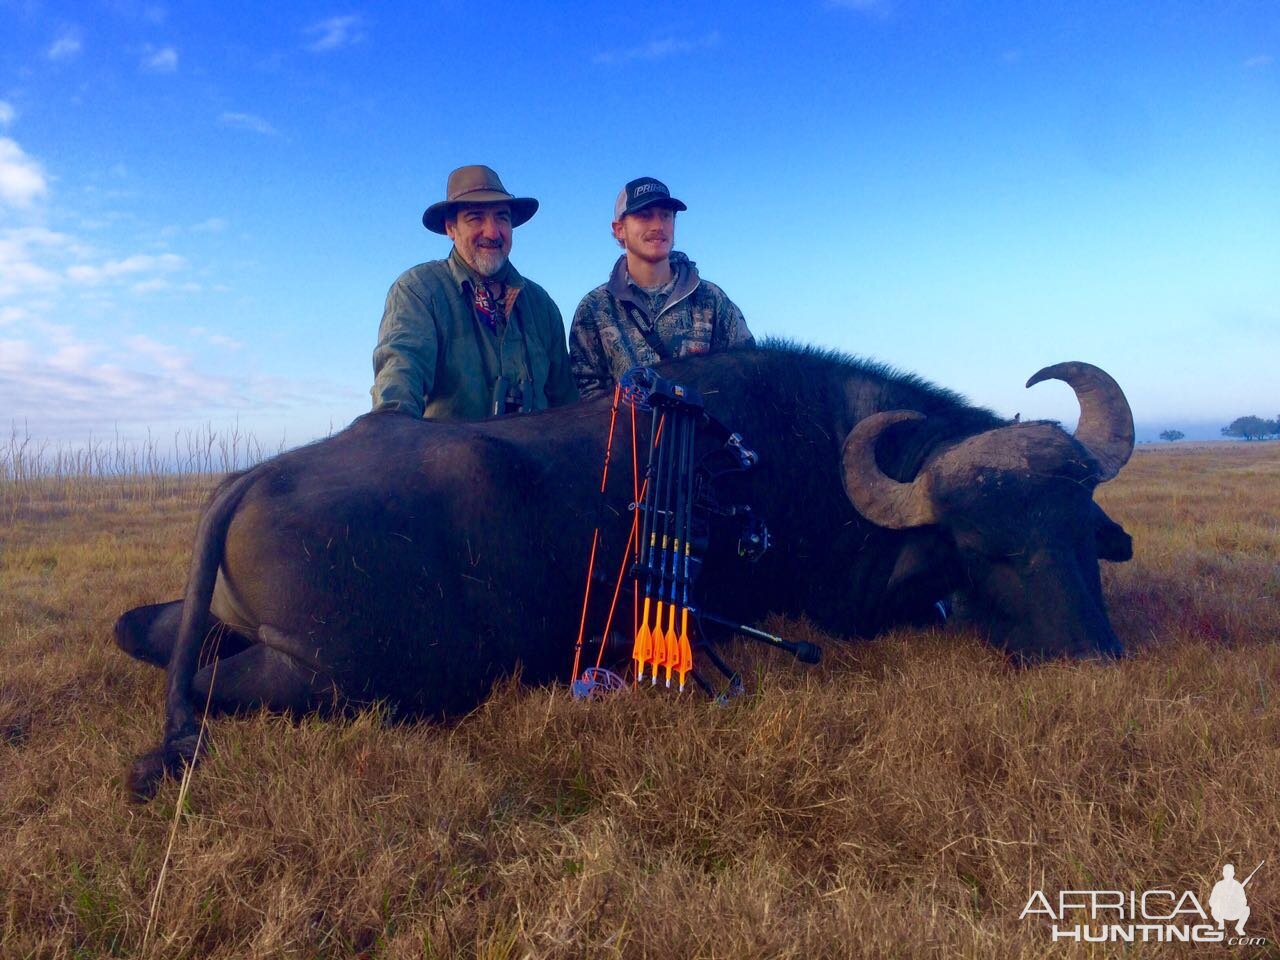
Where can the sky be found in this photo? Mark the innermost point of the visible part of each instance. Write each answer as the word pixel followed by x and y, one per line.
pixel 202 205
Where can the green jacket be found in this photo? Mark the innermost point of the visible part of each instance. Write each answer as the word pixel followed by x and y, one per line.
pixel 434 358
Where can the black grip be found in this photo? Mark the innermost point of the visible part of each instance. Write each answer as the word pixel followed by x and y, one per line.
pixel 807 652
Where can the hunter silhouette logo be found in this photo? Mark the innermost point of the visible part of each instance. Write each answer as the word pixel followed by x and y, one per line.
pixel 1228 902
pixel 1149 916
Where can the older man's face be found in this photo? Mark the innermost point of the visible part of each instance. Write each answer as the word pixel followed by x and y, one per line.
pixel 482 234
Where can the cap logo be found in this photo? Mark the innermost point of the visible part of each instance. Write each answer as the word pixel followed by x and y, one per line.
pixel 642 192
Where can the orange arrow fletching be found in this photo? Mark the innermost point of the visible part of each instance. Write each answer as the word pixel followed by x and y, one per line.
pixel 643 647
pixel 658 653
pixel 673 645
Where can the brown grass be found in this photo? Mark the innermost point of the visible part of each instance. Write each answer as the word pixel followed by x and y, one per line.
pixel 904 799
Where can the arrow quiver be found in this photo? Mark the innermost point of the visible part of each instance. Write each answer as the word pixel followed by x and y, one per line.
pixel 671 512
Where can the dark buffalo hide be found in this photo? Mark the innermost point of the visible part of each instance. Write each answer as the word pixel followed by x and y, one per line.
pixel 415 562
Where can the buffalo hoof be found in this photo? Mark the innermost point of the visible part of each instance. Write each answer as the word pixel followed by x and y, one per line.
pixel 151 769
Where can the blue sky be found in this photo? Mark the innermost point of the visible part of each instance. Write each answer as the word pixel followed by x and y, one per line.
pixel 202 205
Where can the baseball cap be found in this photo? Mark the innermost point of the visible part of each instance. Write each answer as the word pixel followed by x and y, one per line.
pixel 644 192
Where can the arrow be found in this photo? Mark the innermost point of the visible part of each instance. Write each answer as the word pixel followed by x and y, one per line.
pixel 595 537
pixel 667 453
pixel 678 440
pixel 642 651
pixel 685 662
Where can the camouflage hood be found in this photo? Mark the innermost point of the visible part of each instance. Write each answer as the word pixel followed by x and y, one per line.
pixel 686 276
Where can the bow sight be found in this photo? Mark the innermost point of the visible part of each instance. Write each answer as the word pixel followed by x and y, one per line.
pixel 671 514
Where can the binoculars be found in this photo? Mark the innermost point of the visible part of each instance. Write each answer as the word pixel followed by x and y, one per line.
pixel 509 397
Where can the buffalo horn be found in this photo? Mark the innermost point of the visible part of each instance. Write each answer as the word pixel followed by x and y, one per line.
pixel 881 499
pixel 1106 423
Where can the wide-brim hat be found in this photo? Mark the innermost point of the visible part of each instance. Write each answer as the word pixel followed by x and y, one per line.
pixel 476 184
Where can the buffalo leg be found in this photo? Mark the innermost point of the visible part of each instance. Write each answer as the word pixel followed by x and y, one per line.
pixel 148 634
pixel 260 677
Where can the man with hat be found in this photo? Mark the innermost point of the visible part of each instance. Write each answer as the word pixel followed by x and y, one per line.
pixel 468 337
pixel 655 306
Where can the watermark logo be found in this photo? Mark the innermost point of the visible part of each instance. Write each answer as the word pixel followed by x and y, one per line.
pixel 1228 901
pixel 1149 916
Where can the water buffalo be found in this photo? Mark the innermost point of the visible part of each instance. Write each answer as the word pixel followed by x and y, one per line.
pixel 416 562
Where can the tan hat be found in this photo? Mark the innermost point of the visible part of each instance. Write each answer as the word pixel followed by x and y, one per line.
pixel 476 184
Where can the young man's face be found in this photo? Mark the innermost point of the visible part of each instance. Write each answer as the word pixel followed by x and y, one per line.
pixel 649 233
pixel 482 234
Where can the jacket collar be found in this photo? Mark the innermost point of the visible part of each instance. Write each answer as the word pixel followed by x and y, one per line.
pixel 686 272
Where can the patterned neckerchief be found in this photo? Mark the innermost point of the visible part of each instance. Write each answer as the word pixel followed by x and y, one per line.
pixel 489 304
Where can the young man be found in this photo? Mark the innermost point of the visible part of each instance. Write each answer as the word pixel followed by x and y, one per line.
pixel 655 306
pixel 467 337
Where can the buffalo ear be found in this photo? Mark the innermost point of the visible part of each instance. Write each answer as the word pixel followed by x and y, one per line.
pixel 925 556
pixel 1112 540
pixel 926 571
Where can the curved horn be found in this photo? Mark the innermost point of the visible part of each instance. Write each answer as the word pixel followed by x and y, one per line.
pixel 881 499
pixel 1106 422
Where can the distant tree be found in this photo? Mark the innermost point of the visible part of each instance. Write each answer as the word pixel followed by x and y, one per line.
pixel 1250 427
pixel 1172 435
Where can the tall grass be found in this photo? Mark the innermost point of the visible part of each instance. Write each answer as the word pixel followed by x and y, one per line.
pixel 903 799
pixel 102 470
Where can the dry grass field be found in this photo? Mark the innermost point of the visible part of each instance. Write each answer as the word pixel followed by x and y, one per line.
pixel 904 799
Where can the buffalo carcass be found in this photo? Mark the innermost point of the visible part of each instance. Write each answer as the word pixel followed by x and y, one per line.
pixel 415 562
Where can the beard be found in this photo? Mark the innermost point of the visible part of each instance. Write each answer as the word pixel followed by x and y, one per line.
pixel 487 261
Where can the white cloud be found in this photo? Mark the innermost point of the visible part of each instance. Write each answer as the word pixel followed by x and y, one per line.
pixel 163 355
pixel 14 353
pixel 67 45
pixel 7 113
pixel 11 315
pixel 1258 62
pixel 101 367
pixel 246 121
pixel 30 259
pixel 21 179
pixel 84 385
pixel 21 276
pixel 334 33
pixel 218 340
pixel 161 285
pixel 211 226
pixel 164 60
pixel 659 49
pixel 154 285
pixel 93 275
pixel 73 356
pixel 57 383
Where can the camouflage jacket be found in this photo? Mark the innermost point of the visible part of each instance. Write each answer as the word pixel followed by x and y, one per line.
pixel 608 334
pixel 434 358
